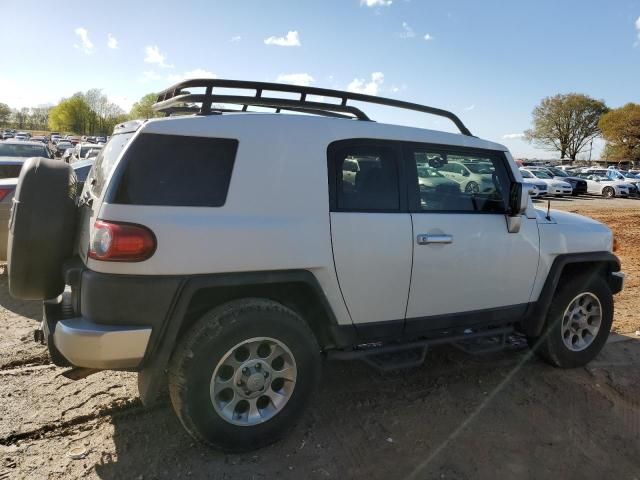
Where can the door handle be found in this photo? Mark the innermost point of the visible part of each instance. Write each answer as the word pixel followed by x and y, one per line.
pixel 425 239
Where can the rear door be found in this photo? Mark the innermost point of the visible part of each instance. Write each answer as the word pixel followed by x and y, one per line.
pixel 371 231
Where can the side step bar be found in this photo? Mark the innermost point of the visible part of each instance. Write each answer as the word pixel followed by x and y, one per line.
pixel 407 355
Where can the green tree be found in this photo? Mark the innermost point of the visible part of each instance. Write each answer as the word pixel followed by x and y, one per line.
pixel 566 123
pixel 142 108
pixel 71 115
pixel 621 129
pixel 5 114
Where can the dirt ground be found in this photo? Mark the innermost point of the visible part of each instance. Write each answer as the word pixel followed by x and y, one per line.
pixel 503 415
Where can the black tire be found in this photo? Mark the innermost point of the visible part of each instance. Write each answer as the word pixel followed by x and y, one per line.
pixel 41 229
pixel 550 345
pixel 194 361
pixel 608 192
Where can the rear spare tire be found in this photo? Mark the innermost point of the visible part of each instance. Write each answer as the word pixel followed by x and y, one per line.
pixel 41 229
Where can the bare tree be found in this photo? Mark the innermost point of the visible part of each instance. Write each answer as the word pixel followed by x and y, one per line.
pixel 566 123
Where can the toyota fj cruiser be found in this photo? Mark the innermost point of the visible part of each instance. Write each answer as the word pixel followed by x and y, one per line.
pixel 226 252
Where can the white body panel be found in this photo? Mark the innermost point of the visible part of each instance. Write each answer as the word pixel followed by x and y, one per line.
pixel 621 188
pixel 277 218
pixel 372 253
pixel 485 266
pixel 271 220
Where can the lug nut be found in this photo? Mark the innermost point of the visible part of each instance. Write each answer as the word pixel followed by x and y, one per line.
pixel 247 392
pixel 245 370
pixel 266 374
pixel 239 382
pixel 258 366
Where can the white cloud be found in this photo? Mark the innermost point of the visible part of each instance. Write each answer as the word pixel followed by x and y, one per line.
pixel 376 3
pixel 638 29
pixel 112 42
pixel 427 37
pixel 86 46
pixel 125 103
pixel 149 76
pixel 153 55
pixel 407 31
pixel 303 79
pixel 292 39
pixel 197 73
pixel 512 136
pixel 359 85
pixel 236 38
pixel 469 108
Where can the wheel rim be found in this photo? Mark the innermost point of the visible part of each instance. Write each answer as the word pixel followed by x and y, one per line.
pixel 581 322
pixel 253 381
pixel 472 187
pixel 608 192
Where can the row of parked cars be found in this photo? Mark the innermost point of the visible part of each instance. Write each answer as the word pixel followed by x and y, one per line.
pixel 556 181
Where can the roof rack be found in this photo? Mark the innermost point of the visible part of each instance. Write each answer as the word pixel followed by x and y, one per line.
pixel 176 99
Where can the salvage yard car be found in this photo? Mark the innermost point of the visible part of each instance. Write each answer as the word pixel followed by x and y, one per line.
pixel 229 271
pixel 556 187
pixel 600 184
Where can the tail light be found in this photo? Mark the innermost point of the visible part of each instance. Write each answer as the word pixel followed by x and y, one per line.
pixel 4 191
pixel 121 242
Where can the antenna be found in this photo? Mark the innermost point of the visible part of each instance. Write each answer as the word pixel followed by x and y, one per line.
pixel 548 217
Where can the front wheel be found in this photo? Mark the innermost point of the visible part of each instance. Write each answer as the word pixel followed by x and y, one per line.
pixel 608 192
pixel 243 374
pixel 578 323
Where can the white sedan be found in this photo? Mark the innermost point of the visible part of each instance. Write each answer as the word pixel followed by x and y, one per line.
pixel 554 187
pixel 603 185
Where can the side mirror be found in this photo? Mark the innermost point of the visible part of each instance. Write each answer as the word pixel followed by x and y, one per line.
pixel 518 201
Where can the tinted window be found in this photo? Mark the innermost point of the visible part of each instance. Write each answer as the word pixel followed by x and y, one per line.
pixel 459 183
pixel 10 171
pixel 367 179
pixel 105 161
pixel 177 170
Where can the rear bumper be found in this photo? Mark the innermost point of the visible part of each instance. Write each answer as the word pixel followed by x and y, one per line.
pixel 80 342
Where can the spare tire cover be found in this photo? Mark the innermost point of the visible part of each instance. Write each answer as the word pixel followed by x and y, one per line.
pixel 41 229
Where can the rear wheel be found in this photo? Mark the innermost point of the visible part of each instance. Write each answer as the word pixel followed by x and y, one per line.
pixel 243 374
pixel 608 192
pixel 578 323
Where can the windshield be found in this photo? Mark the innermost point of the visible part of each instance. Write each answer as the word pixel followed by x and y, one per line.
pixel 558 173
pixel 481 168
pixel 542 174
pixel 17 150
pixel 526 174
pixel 629 175
pixel 105 161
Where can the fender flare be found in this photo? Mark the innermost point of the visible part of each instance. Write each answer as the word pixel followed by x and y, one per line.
pixel 536 314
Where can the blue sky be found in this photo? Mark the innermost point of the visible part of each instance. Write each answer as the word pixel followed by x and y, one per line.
pixel 488 61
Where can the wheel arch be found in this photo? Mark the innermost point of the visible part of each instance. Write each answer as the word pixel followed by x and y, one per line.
pixel 296 289
pixel 566 266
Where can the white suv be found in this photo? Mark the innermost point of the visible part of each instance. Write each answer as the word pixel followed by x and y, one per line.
pixel 226 253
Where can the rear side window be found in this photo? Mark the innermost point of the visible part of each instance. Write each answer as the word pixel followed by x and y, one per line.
pixel 367 179
pixel 10 171
pixel 105 161
pixel 175 170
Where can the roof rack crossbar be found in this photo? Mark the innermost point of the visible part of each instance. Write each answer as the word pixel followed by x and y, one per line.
pixel 176 96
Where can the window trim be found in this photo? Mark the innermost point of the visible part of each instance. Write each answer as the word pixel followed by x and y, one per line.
pixel 334 151
pixel 411 169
